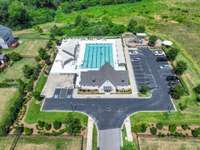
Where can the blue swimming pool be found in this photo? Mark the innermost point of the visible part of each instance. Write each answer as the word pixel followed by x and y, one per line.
pixel 96 55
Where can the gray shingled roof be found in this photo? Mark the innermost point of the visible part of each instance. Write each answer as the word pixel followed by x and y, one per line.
pixel 97 78
pixel 6 35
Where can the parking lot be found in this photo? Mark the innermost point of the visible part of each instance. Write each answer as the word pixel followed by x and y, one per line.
pixel 63 93
pixel 147 68
pixel 142 71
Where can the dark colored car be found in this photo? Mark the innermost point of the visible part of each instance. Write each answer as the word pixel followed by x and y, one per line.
pixel 172 78
pixel 161 58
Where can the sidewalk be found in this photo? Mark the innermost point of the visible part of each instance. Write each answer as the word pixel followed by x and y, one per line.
pixel 90 127
pixel 130 70
pixel 127 124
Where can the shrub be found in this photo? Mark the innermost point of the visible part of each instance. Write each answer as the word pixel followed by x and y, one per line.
pixel 57 125
pixel 144 89
pixel 152 40
pixel 177 91
pixel 172 128
pixel 198 99
pixel 182 106
pixel 185 126
pixel 153 130
pixel 28 131
pixel 73 125
pixel 140 128
pixel 197 89
pixel 181 67
pixel 41 124
pixel 28 71
pixel 159 125
pixel 14 56
pixel 196 132
pixel 47 126
pixel 172 54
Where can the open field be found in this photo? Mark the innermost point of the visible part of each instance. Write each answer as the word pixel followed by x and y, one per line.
pixel 6 95
pixel 169 144
pixel 42 143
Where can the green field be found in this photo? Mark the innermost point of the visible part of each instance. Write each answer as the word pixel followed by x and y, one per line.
pixel 42 142
pixel 168 143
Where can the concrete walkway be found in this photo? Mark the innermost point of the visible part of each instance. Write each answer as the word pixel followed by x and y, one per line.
pixel 127 124
pixel 130 70
pixel 90 127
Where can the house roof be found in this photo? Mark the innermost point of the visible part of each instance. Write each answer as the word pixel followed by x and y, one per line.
pixel 4 31
pixel 97 78
pixel 2 57
pixel 6 35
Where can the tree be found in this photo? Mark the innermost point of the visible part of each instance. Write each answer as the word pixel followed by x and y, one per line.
pixel 47 126
pixel 4 11
pixel 73 125
pixel 152 40
pixel 41 123
pixel 140 29
pixel 14 56
pixel 144 89
pixel 196 132
pixel 18 14
pixel 28 71
pixel 172 54
pixel 43 54
pixel 132 26
pixel 172 128
pixel 177 91
pixel 159 125
pixel 77 20
pixel 153 130
pixel 57 125
pixel 181 67
pixel 197 89
pixel 28 131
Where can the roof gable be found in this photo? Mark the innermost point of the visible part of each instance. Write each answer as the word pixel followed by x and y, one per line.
pixel 106 72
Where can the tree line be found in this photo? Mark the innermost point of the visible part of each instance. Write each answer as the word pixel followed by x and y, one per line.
pixel 20 14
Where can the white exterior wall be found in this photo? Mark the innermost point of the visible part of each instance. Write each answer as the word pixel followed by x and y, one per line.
pixel 107 83
pixel 2 43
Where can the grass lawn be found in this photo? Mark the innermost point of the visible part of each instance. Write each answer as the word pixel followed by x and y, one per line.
pixel 34 114
pixel 16 70
pixel 41 82
pixel 6 99
pixel 168 143
pixel 42 142
pixel 165 118
pixel 94 138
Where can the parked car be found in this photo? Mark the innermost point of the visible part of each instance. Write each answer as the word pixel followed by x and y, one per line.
pixel 171 78
pixel 167 67
pixel 159 53
pixel 161 58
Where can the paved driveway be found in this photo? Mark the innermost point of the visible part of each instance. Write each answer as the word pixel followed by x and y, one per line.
pixel 110 113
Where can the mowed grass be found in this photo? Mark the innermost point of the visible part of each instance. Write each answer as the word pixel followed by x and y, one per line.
pixel 42 143
pixel 168 143
pixel 28 49
pixel 165 118
pixel 6 97
pixel 15 71
pixel 34 114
